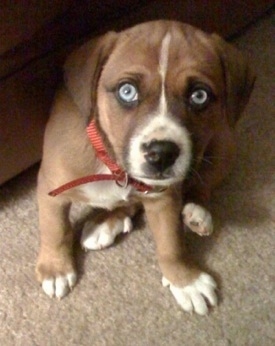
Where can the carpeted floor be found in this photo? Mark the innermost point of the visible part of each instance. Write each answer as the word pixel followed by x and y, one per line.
pixel 119 299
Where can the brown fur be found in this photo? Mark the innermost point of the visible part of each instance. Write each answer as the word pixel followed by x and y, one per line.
pixel 68 153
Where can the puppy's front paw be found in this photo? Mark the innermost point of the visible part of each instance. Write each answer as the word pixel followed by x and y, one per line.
pixel 193 297
pixel 57 279
pixel 59 286
pixel 198 219
pixel 99 236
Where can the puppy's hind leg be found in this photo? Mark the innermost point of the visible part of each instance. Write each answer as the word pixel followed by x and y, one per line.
pixel 197 219
pixel 101 232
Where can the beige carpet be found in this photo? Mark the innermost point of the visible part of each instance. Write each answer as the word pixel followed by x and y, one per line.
pixel 119 299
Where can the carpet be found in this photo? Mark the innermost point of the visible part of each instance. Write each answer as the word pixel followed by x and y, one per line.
pixel 119 299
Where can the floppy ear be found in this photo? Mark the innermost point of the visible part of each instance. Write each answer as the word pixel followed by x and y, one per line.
pixel 83 68
pixel 239 78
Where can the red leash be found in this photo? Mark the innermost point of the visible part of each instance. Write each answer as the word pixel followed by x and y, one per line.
pixel 118 175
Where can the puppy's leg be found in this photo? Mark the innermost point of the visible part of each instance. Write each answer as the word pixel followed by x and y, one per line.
pixel 101 232
pixel 190 287
pixel 214 167
pixel 55 268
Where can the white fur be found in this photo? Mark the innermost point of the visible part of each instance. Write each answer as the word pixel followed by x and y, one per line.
pixel 163 66
pixel 59 286
pixel 193 297
pixel 162 128
pixel 197 218
pixel 164 54
pixel 104 194
pixel 96 237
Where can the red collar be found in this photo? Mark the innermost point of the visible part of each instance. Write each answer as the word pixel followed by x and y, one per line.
pixel 118 175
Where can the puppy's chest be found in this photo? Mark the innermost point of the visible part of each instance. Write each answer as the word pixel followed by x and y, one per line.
pixel 104 194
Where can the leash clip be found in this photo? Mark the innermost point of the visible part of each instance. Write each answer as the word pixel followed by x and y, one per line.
pixel 124 183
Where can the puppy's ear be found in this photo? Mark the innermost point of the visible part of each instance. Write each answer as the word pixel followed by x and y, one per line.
pixel 83 68
pixel 239 78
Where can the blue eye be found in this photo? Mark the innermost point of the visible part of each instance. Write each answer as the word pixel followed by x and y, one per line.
pixel 199 97
pixel 127 94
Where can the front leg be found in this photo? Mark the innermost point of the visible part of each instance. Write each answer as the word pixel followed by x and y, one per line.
pixel 214 166
pixel 189 285
pixel 55 267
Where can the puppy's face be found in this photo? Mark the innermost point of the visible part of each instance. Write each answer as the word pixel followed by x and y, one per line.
pixel 159 100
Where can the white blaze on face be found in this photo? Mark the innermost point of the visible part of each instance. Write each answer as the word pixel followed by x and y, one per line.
pixel 163 65
pixel 161 126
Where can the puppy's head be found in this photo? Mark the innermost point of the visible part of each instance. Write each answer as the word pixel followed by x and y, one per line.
pixel 159 92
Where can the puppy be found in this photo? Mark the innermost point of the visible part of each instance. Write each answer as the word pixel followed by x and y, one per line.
pixel 145 117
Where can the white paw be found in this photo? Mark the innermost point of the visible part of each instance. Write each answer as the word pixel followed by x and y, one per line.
pixel 96 237
pixel 198 219
pixel 193 297
pixel 59 286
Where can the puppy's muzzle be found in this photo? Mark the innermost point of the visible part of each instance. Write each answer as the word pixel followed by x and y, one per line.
pixel 160 155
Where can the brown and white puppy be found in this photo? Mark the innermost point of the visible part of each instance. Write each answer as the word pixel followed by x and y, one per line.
pixel 165 98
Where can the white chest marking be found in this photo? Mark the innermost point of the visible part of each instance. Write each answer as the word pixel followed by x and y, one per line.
pixel 105 194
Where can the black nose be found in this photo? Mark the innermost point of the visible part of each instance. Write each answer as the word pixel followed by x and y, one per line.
pixel 161 154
